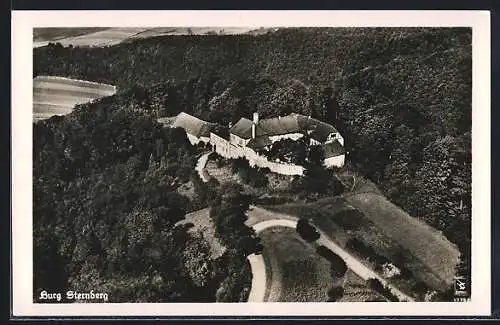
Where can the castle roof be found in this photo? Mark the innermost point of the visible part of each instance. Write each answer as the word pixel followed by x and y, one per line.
pixel 280 125
pixel 189 123
pixel 293 123
pixel 316 129
pixel 242 128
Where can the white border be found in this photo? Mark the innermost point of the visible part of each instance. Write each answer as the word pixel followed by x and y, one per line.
pixel 24 21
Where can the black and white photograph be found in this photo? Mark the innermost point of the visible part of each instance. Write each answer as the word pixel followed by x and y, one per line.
pixel 257 163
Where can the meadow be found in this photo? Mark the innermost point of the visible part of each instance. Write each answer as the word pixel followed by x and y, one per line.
pixel 383 235
pixel 58 96
pixel 295 272
pixel 425 243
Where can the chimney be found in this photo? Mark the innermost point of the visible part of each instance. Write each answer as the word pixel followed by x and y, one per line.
pixel 255 122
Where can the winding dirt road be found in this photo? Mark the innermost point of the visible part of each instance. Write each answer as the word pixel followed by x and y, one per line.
pixel 259 271
pixel 200 167
pixel 258 289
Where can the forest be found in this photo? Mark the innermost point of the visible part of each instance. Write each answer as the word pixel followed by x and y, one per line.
pixel 400 97
pixel 107 207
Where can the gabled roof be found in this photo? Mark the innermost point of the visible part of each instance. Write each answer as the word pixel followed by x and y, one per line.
pixel 316 129
pixel 333 149
pixel 242 128
pixel 293 123
pixel 167 121
pixel 279 126
pixel 189 123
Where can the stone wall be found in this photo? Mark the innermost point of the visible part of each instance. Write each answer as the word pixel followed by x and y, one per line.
pixel 224 148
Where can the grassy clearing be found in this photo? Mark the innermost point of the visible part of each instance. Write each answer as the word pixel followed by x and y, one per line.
pixel 354 182
pixel 295 272
pixel 51 109
pixel 426 243
pixel 42 81
pixel 258 214
pixel 341 222
pixel 322 213
pixel 203 224
pixel 374 238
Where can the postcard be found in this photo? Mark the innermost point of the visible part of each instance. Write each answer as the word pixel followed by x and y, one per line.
pixel 251 163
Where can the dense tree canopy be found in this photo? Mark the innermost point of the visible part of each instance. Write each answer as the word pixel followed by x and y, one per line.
pixel 400 97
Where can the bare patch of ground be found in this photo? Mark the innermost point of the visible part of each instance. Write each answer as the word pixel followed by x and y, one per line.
pixel 203 225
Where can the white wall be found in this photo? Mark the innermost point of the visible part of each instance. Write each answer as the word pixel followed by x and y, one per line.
pixel 194 140
pixel 335 136
pixel 293 136
pixel 337 161
pixel 237 141
pixel 314 142
pixel 228 150
pixel 341 139
pixel 254 159
pixel 221 145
